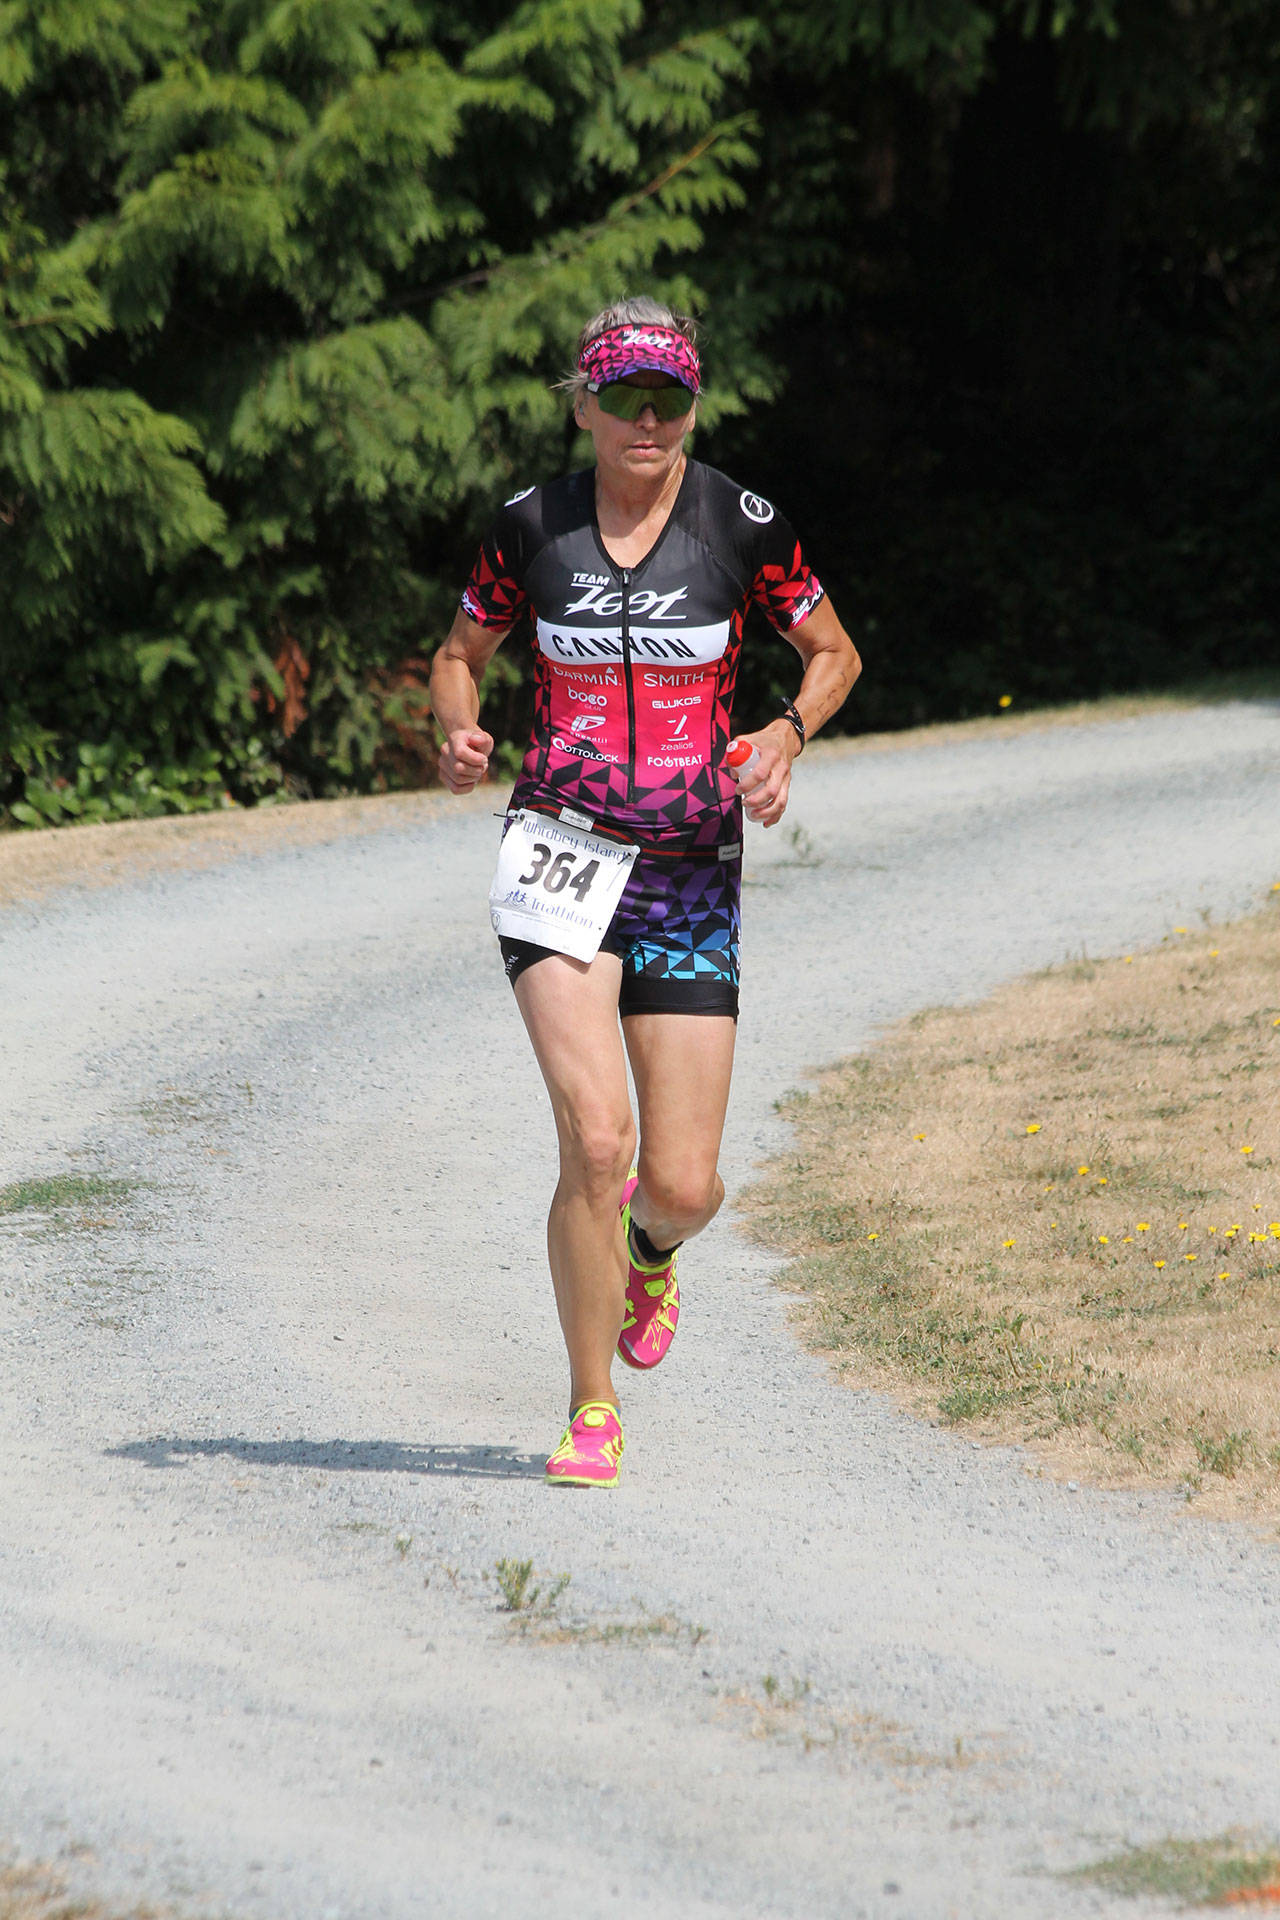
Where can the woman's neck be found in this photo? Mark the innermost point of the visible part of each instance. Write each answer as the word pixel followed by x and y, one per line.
pixel 632 510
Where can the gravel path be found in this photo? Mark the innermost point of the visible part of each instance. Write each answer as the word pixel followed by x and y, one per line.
pixel 269 1424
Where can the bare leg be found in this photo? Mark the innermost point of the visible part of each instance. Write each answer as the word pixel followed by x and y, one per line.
pixel 570 1008
pixel 682 1065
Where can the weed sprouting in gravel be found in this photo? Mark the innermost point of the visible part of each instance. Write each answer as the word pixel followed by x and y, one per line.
pixel 779 1696
pixel 514 1576
pixel 1233 1868
pixel 58 1192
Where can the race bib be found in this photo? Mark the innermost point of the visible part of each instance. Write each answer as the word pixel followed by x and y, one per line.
pixel 557 885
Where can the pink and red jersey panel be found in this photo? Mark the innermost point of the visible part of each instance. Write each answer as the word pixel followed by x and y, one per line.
pixel 635 667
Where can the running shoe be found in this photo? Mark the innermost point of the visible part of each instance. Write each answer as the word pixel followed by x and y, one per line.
pixel 590 1448
pixel 653 1302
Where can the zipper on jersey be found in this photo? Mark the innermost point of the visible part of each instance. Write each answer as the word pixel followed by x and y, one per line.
pixel 624 574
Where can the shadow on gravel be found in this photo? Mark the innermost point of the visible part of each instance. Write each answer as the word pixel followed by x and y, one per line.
pixel 340 1456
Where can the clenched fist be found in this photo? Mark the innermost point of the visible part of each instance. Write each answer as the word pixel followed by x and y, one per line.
pixel 464 758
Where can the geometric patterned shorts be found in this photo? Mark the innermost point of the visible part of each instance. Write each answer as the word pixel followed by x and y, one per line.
pixel 676 932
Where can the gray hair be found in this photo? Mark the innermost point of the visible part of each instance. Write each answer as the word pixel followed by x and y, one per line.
pixel 640 311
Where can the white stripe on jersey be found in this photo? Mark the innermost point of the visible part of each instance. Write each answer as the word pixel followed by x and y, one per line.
pixel 654 646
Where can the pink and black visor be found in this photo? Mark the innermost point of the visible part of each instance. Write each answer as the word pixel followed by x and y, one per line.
pixel 640 349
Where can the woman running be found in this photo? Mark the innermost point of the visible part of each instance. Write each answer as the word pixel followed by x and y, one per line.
pixel 616 896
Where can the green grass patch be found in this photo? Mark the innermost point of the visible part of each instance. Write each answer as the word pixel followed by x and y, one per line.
pixel 61 1191
pixel 1224 1870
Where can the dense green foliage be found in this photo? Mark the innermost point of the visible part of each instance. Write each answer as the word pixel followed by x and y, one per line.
pixel 990 291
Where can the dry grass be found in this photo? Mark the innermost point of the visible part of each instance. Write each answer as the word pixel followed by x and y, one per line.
pixel 119 852
pixel 32 1891
pixel 1055 1217
pixel 645 1630
pixel 790 1714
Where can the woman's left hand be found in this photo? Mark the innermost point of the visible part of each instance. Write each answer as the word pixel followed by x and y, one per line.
pixel 765 793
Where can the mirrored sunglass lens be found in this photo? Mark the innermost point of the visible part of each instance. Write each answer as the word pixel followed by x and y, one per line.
pixel 622 402
pixel 627 403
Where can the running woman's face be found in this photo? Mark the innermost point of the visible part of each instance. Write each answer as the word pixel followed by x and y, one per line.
pixel 644 448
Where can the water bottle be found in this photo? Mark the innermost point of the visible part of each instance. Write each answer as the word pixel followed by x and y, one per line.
pixel 742 758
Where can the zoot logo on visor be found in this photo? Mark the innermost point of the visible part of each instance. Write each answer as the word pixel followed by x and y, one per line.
pixel 618 351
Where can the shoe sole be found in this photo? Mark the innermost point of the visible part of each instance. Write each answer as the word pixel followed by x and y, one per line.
pixel 639 1366
pixel 572 1480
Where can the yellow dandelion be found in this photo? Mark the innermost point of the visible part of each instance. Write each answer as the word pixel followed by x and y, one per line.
pixel 1276 1022
pixel 1274 1229
pixel 1246 1149
pixel 1144 1226
pixel 1224 1275
pixel 1231 1233
pixel 1257 1206
pixel 1179 929
pixel 1191 1256
pixel 1053 1223
pixel 1102 1180
pixel 1182 1226
pixel 1008 1243
pixel 1128 1240
pixel 1128 960
pixel 918 1136
pixel 1213 953
pixel 1034 1127
pixel 1005 700
pixel 1103 1240
pixel 1049 1188
pixel 1257 1236
pixel 873 1236
pixel 1082 1169
pixel 1159 1263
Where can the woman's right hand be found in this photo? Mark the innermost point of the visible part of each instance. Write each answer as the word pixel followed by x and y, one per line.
pixel 464 758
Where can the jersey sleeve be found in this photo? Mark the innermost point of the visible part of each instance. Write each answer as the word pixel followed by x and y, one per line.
pixel 782 581
pixel 494 596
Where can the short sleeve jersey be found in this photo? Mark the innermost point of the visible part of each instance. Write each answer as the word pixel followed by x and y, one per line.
pixel 635 667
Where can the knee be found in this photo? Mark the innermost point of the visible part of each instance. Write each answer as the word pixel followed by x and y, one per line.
pixel 599 1148
pixel 685 1196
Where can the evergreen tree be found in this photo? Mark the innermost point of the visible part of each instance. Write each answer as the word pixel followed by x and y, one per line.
pixel 284 285
pixel 278 336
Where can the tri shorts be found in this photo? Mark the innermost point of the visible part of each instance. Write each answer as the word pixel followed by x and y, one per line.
pixel 675 929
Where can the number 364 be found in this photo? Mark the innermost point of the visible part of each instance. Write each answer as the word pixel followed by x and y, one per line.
pixel 554 874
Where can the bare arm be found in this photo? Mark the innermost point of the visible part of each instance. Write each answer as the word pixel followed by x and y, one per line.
pixel 831 665
pixel 456 673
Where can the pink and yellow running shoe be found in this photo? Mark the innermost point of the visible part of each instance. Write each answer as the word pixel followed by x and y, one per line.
pixel 590 1448
pixel 653 1302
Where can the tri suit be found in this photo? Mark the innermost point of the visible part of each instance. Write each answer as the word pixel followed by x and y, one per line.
pixel 635 669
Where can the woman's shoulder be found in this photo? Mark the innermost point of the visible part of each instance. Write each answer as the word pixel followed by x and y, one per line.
pixel 739 508
pixel 552 506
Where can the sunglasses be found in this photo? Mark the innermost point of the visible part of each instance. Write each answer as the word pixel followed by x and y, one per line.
pixel 628 403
